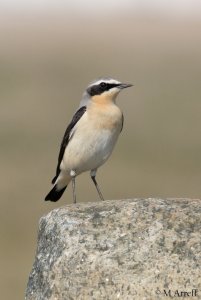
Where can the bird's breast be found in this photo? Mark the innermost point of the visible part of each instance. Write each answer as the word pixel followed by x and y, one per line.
pixel 105 116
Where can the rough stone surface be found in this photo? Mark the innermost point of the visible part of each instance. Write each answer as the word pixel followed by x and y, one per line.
pixel 125 249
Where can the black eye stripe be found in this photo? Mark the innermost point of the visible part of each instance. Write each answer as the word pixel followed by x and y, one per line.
pixel 111 85
pixel 103 84
pixel 100 88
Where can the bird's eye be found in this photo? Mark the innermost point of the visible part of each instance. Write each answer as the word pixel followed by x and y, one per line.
pixel 103 84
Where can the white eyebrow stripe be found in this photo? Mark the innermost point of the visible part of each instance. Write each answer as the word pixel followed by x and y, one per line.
pixel 104 80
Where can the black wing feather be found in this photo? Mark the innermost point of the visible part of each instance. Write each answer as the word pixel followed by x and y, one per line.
pixel 66 136
pixel 122 124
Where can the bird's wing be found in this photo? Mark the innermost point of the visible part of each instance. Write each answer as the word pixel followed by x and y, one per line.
pixel 122 124
pixel 67 135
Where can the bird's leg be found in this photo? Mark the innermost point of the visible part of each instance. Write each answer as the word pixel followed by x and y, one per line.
pixel 93 177
pixel 73 175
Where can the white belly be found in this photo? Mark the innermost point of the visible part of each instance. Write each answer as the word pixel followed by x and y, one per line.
pixel 89 149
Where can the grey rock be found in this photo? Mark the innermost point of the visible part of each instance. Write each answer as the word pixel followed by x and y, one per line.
pixel 125 249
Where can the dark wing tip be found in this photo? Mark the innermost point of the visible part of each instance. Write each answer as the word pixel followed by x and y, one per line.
pixel 54 179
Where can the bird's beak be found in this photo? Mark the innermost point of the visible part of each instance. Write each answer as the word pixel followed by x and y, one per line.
pixel 125 85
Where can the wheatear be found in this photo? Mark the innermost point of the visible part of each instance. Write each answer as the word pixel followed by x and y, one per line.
pixel 90 137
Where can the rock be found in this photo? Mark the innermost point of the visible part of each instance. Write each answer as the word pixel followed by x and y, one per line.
pixel 125 249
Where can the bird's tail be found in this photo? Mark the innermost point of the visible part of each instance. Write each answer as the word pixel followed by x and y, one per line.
pixel 55 194
pixel 59 187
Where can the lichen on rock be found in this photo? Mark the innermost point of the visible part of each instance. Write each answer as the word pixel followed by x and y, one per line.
pixel 125 249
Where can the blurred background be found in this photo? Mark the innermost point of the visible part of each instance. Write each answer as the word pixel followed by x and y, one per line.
pixel 49 51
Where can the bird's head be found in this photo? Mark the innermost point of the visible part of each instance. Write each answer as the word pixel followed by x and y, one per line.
pixel 105 89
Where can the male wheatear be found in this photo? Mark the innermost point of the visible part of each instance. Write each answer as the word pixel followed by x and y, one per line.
pixel 90 137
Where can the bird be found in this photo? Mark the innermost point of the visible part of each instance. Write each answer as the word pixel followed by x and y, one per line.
pixel 90 137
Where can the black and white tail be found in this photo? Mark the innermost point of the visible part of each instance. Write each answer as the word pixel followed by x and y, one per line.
pixel 55 194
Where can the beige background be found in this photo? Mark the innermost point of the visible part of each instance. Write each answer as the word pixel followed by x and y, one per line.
pixel 46 61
